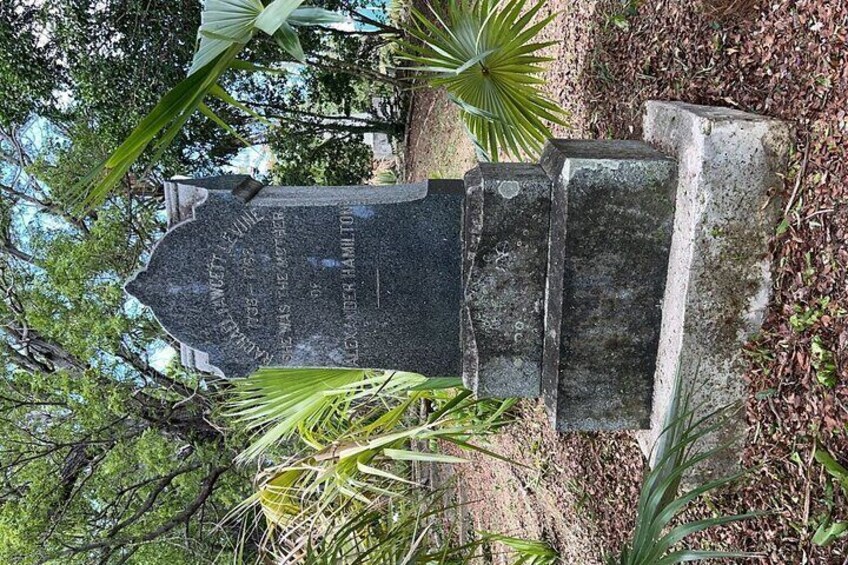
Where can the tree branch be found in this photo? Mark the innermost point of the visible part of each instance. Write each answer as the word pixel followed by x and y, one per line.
pixel 48 205
pixel 372 22
pixel 26 362
pixel 12 251
pixel 182 517
pixel 142 366
pixel 162 484
pixel 339 66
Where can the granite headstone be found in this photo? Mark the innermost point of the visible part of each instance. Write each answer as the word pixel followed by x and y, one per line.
pixel 312 276
pixel 530 280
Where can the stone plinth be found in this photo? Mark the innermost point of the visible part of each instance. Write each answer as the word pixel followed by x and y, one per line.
pixel 611 220
pixel 719 278
pixel 506 213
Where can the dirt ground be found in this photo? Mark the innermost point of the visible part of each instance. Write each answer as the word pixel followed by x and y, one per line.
pixel 784 58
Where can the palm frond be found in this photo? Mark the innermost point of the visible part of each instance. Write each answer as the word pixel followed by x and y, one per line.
pixel 399 532
pixel 371 452
pixel 483 54
pixel 276 402
pixel 351 497
pixel 526 552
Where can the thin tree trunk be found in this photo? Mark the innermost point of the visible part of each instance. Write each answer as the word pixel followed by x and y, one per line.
pixel 339 66
pixel 388 128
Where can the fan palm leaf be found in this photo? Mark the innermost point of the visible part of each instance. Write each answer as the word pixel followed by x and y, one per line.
pixel 226 27
pixel 366 457
pixel 276 402
pixel 483 53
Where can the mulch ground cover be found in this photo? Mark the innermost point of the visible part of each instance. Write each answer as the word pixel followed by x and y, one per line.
pixel 788 59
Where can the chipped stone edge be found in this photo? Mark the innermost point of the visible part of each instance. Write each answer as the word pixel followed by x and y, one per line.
pixel 472 230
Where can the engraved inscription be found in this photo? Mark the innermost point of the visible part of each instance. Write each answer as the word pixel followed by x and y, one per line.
pixel 248 263
pixel 229 328
pixel 349 300
pixel 231 331
pixel 251 302
pixel 216 284
pixel 281 275
pixel 243 224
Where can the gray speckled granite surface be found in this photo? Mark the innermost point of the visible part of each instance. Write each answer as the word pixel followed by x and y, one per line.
pixel 360 278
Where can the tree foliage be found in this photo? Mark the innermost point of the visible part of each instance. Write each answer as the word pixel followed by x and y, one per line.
pixel 227 28
pixel 105 456
pixel 334 160
pixel 28 73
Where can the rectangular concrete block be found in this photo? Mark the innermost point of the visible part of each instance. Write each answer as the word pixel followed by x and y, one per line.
pixel 719 278
pixel 611 220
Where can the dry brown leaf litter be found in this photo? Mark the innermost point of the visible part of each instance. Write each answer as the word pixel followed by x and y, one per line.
pixel 783 58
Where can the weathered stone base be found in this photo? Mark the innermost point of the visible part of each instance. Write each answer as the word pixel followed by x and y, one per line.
pixel 611 222
pixel 657 262
pixel 505 233
pixel 719 278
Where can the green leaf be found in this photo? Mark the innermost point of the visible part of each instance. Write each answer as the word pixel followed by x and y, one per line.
pixel 275 15
pixel 279 402
pixel 829 532
pixel 218 92
pixel 833 467
pixel 473 110
pixel 492 454
pixel 824 362
pixel 223 23
pixel 226 27
pixel 620 21
pixel 206 111
pixel 659 503
pixel 381 473
pixel 686 556
pixel 164 119
pixel 482 53
pixel 311 16
pixel 473 61
pixel 435 383
pixel 287 39
pixel 764 394
pixel 404 455
pixel 530 552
